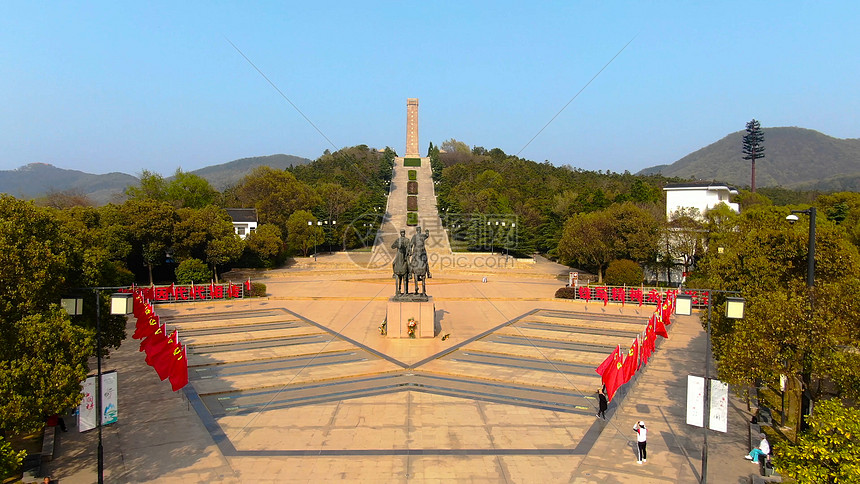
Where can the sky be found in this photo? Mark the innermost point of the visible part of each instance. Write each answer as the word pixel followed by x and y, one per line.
pixel 133 86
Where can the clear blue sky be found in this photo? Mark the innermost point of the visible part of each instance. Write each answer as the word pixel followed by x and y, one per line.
pixel 122 86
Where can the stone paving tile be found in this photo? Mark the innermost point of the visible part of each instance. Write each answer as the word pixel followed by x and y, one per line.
pixel 240 336
pixel 534 349
pixel 520 376
pixel 206 358
pixel 609 340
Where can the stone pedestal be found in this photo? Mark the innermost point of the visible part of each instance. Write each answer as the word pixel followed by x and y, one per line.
pixel 399 313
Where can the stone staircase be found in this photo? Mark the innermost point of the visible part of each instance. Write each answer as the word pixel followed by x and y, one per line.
pixel 395 215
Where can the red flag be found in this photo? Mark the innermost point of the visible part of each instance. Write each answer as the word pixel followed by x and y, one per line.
pixel 137 305
pixel 613 378
pixel 248 285
pixel 631 361
pixel 666 309
pixel 159 345
pixel 179 371
pixel 164 359
pixel 146 326
pixel 173 290
pixel 608 361
pixel 155 339
pixel 659 327
pixel 648 342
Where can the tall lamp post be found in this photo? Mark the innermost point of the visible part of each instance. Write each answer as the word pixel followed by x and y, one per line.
pixel 805 400
pixel 120 304
pixel 734 310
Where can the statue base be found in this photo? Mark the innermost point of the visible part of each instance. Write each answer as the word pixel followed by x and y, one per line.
pixel 422 309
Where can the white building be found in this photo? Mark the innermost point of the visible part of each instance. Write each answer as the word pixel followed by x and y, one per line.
pixel 700 195
pixel 244 220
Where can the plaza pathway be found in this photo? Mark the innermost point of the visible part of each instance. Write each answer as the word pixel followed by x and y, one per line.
pixel 301 387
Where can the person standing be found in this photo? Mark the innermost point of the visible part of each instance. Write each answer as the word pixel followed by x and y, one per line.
pixel 604 404
pixel 641 439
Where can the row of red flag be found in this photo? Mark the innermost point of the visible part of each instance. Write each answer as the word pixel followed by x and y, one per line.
pixel 163 351
pixel 618 369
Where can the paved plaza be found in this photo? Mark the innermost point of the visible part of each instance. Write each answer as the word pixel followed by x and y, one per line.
pixel 301 387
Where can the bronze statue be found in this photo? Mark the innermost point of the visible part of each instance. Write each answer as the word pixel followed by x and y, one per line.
pixel 418 262
pixel 401 263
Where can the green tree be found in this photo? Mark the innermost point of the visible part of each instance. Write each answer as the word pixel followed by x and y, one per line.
pixel 585 241
pixel 10 459
pixel 624 231
pixel 765 259
pixel 191 270
pixel 303 233
pixel 34 259
pixel 276 194
pixel 829 451
pixel 454 146
pixel 150 225
pixel 753 147
pixel 684 235
pixel 43 360
pixel 266 242
pixel 197 227
pixel 623 272
pixel 190 190
pixel 152 186
pixel 223 250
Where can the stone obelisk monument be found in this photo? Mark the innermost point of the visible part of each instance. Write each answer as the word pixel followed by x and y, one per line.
pixel 412 128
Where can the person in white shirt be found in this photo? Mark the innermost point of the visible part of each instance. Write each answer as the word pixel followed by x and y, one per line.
pixel 641 437
pixel 763 449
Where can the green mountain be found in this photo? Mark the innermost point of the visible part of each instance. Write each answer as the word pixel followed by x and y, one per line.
pixel 228 174
pixel 795 158
pixel 38 179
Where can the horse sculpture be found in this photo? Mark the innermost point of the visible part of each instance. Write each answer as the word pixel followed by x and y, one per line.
pixel 418 263
pixel 401 263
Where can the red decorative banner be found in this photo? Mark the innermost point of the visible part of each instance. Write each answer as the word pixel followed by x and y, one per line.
pixel 174 293
pixel 640 295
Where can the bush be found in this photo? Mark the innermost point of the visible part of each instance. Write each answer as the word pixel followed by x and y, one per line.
pixel 412 188
pixel 411 161
pixel 10 459
pixel 411 219
pixel 413 175
pixel 623 272
pixel 258 289
pixel 411 203
pixel 566 293
pixel 193 270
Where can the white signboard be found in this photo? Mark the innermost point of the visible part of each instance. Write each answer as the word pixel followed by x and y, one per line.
pixel 87 408
pixel 695 400
pixel 573 279
pixel 719 411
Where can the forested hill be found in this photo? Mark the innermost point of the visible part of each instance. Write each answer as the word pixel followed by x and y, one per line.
pixel 794 158
pixel 229 174
pixel 480 184
pixel 38 179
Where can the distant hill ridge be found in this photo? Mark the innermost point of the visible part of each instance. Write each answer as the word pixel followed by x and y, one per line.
pixel 796 158
pixel 37 179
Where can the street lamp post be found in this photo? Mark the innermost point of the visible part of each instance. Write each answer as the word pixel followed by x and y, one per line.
pixel 734 310
pixel 121 304
pixel 805 400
